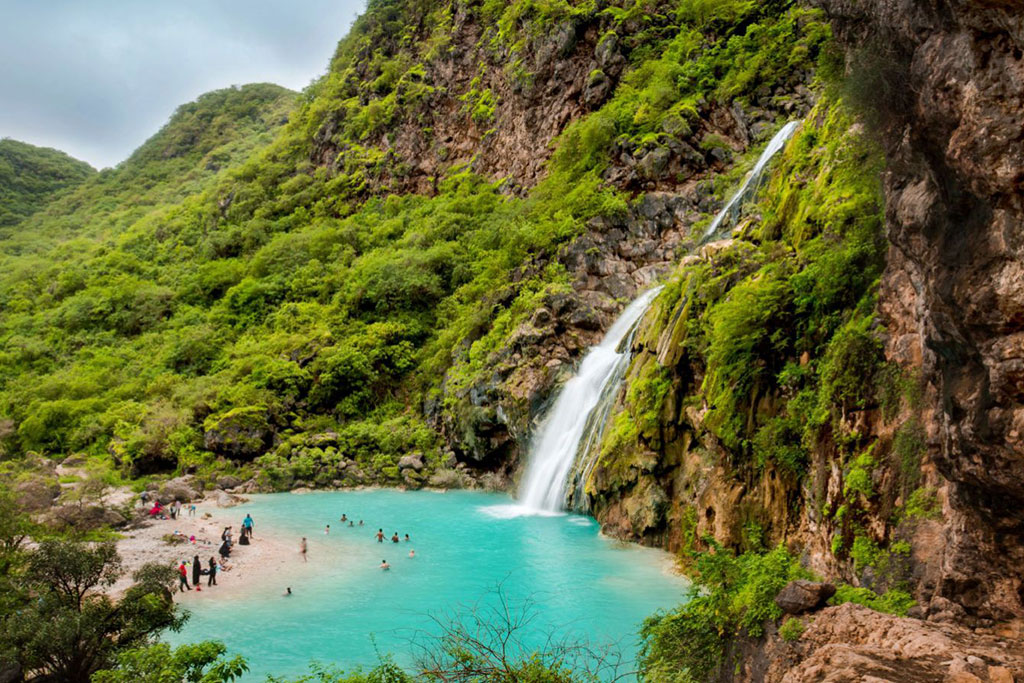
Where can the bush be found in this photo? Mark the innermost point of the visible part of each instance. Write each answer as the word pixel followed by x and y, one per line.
pixel 893 601
pixel 731 595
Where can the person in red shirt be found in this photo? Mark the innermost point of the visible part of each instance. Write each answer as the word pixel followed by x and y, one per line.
pixel 183 578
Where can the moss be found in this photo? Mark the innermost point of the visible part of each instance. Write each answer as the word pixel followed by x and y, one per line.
pixel 792 630
pixel 922 503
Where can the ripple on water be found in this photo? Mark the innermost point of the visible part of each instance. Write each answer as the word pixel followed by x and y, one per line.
pixel 344 608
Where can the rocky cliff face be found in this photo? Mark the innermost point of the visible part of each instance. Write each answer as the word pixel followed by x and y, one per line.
pixel 953 292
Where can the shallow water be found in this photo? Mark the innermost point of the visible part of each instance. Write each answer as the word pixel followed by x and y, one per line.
pixel 583 586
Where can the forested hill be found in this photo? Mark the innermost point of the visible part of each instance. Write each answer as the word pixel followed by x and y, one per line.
pixel 31 176
pixel 335 298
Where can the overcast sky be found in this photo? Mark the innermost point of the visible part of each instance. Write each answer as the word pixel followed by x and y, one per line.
pixel 95 78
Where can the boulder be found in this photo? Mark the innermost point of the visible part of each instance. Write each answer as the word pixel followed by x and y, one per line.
pixel 184 489
pixel 226 500
pixel 412 461
pixel 228 482
pixel 83 517
pixel 242 433
pixel 34 495
pixel 804 596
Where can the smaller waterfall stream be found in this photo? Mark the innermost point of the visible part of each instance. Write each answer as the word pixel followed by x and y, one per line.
pixel 557 443
pixel 732 209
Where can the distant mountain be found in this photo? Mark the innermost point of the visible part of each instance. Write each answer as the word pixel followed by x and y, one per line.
pixel 30 176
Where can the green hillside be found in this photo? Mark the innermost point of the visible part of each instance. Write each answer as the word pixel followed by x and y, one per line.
pixel 184 307
pixel 31 176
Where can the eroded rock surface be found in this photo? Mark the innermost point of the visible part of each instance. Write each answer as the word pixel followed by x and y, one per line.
pixel 953 292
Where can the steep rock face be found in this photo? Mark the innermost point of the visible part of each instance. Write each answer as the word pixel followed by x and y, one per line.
pixel 481 102
pixel 953 292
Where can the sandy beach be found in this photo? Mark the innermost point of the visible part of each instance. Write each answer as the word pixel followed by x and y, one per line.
pixel 263 560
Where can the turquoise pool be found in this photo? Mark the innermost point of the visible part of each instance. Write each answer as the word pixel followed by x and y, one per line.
pixel 344 609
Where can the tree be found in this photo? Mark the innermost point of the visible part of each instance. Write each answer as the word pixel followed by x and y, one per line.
pixel 493 642
pixel 70 629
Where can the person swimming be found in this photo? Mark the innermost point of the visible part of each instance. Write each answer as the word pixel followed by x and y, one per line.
pixel 360 522
pixel 407 539
pixel 394 539
pixel 380 535
pixel 351 523
pixel 288 592
pixel 328 529
pixel 384 565
pixel 412 553
pixel 343 517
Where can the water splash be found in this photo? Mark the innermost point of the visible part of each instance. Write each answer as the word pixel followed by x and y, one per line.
pixel 731 212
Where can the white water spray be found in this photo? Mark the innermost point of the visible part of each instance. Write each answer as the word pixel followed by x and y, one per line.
pixel 557 443
pixel 753 181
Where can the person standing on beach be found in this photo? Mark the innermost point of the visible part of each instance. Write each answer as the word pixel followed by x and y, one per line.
pixel 380 535
pixel 183 578
pixel 247 524
pixel 212 581
pixel 302 549
pixel 197 570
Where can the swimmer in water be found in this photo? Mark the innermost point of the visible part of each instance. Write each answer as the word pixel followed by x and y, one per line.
pixel 407 539
pixel 302 549
pixel 360 522
pixel 394 539
pixel 328 529
pixel 384 565
pixel 351 523
pixel 288 592
pixel 412 553
pixel 343 517
pixel 380 535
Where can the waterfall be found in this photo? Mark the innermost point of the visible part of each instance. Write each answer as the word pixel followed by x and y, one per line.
pixel 731 212
pixel 568 423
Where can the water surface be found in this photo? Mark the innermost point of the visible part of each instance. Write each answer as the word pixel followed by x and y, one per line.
pixel 581 584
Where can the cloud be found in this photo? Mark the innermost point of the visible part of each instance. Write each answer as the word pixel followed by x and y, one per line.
pixel 95 78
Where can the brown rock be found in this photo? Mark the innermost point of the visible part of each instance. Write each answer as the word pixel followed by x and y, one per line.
pixel 804 596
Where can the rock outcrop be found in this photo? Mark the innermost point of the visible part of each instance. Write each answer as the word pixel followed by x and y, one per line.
pixel 854 644
pixel 950 112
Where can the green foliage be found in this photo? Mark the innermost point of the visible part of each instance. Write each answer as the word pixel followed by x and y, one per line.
pixel 731 595
pixel 922 503
pixel 893 601
pixel 30 177
pixel 792 630
pixel 158 663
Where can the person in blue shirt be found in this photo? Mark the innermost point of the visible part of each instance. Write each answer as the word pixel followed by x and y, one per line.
pixel 247 524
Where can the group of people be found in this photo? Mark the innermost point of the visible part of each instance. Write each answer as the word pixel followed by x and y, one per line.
pixel 172 511
pixel 195 567
pixel 380 536
pixel 197 572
